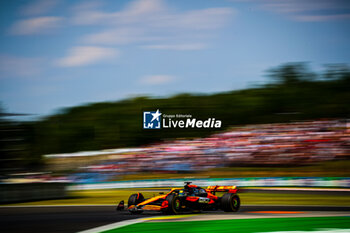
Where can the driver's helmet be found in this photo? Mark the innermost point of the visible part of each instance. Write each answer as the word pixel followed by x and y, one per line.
pixel 181 193
pixel 202 193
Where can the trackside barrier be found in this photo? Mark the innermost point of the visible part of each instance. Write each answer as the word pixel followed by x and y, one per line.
pixel 336 182
pixel 11 193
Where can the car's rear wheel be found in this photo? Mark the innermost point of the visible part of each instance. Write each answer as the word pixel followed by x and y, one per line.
pixel 230 202
pixel 174 204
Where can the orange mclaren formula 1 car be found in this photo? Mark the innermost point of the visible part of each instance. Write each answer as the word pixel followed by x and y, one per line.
pixel 189 198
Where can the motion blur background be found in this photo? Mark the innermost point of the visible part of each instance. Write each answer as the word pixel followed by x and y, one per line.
pixel 76 77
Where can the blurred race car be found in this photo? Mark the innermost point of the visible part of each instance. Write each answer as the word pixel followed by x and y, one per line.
pixel 189 198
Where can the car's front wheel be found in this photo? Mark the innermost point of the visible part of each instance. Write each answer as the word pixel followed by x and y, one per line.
pixel 174 204
pixel 135 199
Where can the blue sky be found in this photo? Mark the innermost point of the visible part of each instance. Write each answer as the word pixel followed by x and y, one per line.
pixel 60 53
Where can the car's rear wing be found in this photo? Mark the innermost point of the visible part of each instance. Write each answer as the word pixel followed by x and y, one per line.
pixel 217 188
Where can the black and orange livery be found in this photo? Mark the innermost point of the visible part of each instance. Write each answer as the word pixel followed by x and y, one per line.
pixel 188 198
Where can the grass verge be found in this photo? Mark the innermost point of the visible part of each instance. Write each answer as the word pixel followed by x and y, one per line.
pixel 327 224
pixel 323 169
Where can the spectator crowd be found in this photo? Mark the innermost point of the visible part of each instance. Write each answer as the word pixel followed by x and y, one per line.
pixel 282 144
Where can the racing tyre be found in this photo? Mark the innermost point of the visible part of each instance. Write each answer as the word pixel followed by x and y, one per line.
pixel 174 204
pixel 135 199
pixel 230 202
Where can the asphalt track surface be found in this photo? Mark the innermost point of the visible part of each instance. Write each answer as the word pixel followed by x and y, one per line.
pixel 78 218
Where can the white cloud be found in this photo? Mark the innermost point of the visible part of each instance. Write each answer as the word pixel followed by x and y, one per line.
pixel 117 36
pixel 85 55
pixel 197 46
pixel 151 20
pixel 87 5
pixel 290 6
pixel 307 10
pixel 12 66
pixel 135 11
pixel 156 79
pixel 38 7
pixel 37 25
pixel 206 19
pixel 320 18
